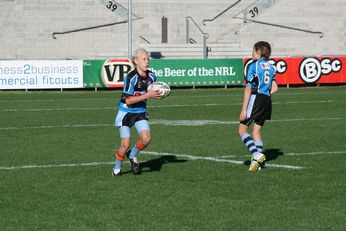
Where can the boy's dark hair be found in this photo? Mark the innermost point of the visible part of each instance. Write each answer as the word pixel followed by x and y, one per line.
pixel 265 49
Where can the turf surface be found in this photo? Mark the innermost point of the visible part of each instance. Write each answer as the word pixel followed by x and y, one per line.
pixel 57 151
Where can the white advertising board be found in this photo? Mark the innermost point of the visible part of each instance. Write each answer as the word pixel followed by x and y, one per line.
pixel 41 74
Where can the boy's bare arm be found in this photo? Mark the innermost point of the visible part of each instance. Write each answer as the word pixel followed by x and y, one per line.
pixel 246 98
pixel 274 88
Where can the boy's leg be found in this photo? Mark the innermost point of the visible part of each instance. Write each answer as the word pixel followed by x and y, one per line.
pixel 121 151
pixel 143 129
pixel 257 157
pixel 256 134
pixel 259 145
pixel 247 140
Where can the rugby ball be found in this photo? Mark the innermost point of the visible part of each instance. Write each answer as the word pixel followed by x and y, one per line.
pixel 162 87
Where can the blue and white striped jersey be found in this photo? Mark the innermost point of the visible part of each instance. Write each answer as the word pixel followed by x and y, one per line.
pixel 260 75
pixel 135 85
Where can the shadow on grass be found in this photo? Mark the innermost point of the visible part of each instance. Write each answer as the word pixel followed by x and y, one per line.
pixel 271 154
pixel 156 164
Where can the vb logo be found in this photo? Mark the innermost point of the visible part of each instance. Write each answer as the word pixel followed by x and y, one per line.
pixel 311 69
pixel 114 71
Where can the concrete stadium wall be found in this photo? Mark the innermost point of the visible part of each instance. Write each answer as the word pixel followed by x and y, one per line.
pixel 27 27
pixel 316 15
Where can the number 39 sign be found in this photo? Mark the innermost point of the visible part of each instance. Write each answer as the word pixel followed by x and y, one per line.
pixel 111 5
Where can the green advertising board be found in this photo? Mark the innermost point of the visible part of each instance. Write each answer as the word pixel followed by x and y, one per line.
pixel 92 73
pixel 105 73
pixel 179 72
pixel 199 72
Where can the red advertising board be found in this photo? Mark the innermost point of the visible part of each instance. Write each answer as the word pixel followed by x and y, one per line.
pixel 309 70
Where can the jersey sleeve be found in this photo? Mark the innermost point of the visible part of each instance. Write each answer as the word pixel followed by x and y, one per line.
pixel 129 84
pixel 274 73
pixel 274 78
pixel 152 76
pixel 250 73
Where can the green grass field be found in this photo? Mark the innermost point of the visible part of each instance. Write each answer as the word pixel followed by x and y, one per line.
pixel 57 150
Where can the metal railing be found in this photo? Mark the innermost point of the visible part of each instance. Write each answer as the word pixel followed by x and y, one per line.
pixel 258 7
pixel 90 28
pixel 205 35
pixel 144 39
pixel 255 9
pixel 224 11
pixel 283 26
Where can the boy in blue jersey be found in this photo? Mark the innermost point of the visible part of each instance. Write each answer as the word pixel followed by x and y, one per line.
pixel 257 104
pixel 132 111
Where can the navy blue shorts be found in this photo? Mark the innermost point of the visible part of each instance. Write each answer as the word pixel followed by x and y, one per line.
pixel 258 110
pixel 129 119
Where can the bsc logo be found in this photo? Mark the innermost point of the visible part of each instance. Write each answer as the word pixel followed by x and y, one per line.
pixel 280 65
pixel 114 71
pixel 311 69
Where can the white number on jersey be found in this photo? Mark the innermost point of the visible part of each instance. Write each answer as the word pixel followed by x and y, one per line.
pixel 266 77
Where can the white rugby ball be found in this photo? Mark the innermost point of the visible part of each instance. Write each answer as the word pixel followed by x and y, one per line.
pixel 162 87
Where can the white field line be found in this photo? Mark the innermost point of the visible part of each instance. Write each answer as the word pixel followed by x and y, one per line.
pixel 159 106
pixel 294 154
pixel 191 157
pixel 215 94
pixel 169 123
pixel 184 156
pixel 190 122
pixel 56 126
pixel 314 153
pixel 219 122
pixel 51 100
pixel 55 165
pixel 114 108
pixel 57 109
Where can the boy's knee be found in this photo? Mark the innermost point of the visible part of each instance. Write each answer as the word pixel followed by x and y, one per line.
pixel 125 146
pixel 254 133
pixel 145 140
pixel 242 131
